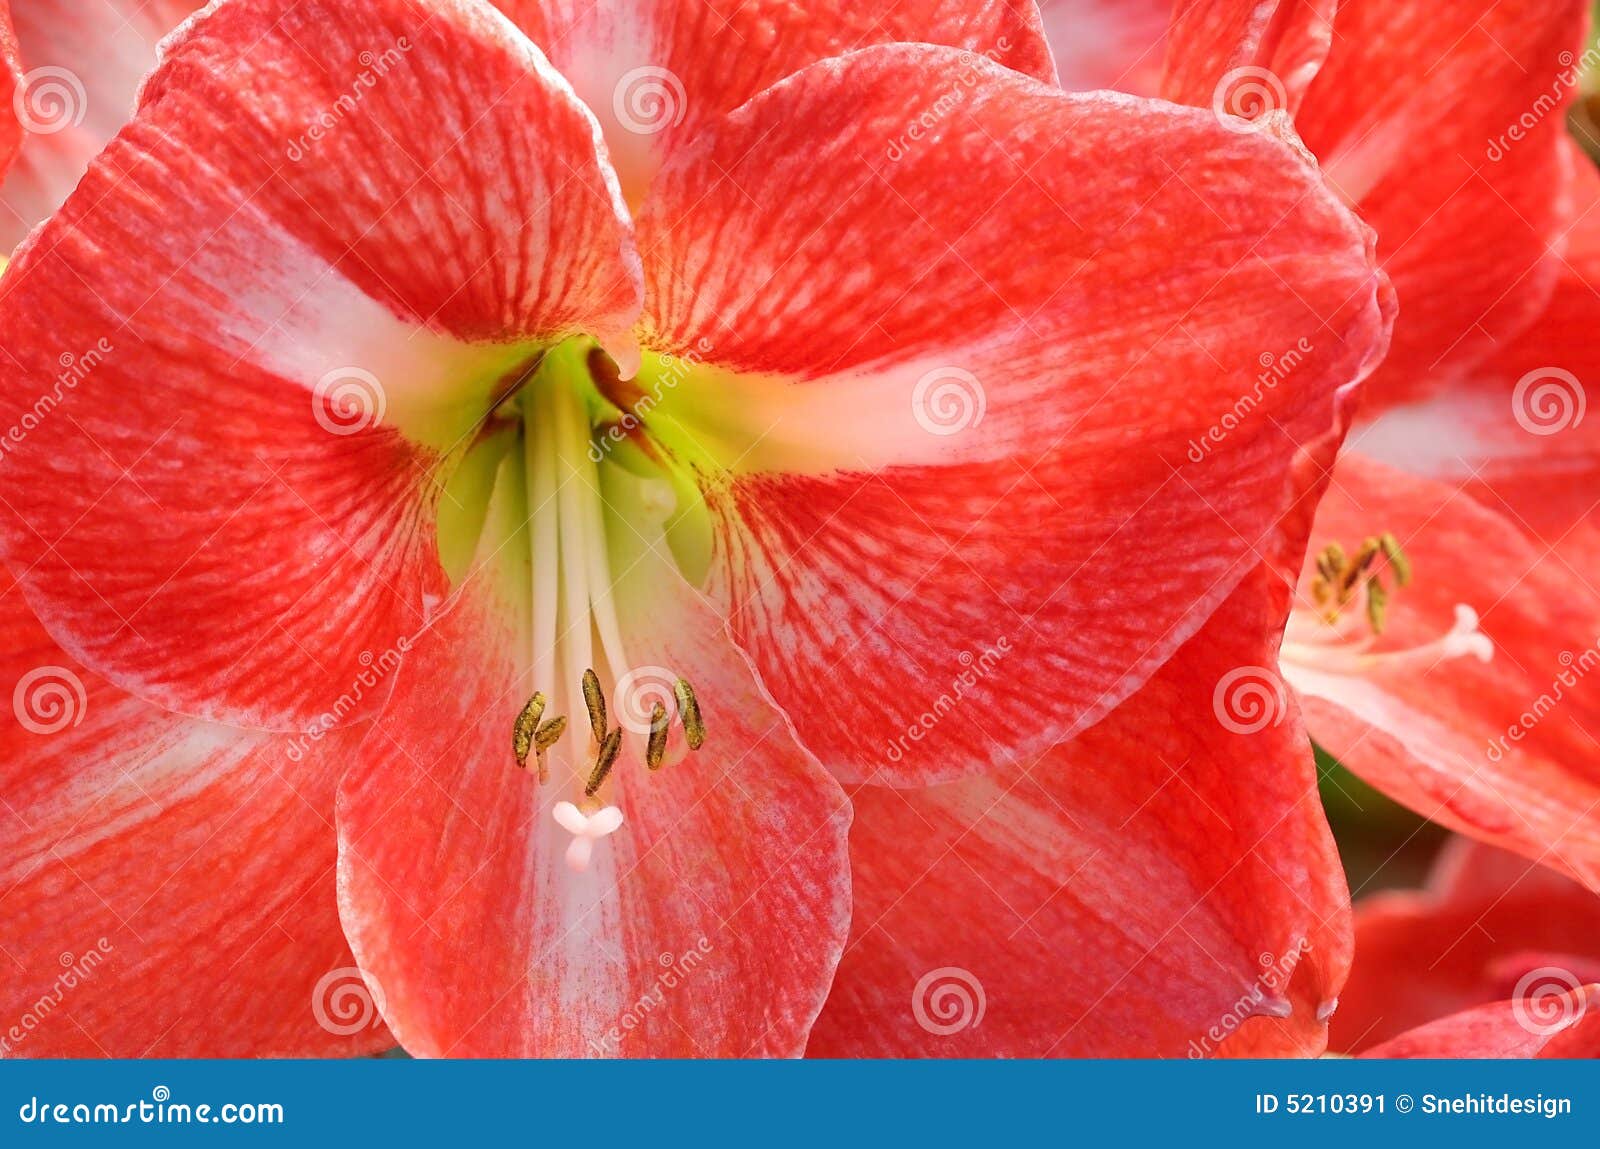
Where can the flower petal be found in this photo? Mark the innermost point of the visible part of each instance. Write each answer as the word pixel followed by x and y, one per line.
pixel 655 71
pixel 1569 1028
pixel 1072 499
pixel 709 924
pixel 1490 926
pixel 1107 43
pixel 1246 58
pixel 1516 430
pixel 232 378
pixel 1496 750
pixel 1445 125
pixel 1163 886
pixel 167 886
pixel 83 65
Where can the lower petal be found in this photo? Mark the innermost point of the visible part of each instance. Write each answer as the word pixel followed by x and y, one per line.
pixel 1174 859
pixel 166 885
pixel 709 924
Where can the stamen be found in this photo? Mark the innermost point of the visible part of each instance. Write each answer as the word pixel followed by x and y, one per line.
pixel 609 749
pixel 596 702
pixel 1397 558
pixel 550 733
pixel 522 730
pixel 1377 605
pixel 656 750
pixel 694 728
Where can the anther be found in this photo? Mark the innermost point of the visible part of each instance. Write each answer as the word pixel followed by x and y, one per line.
pixel 1397 558
pixel 656 749
pixel 694 728
pixel 522 730
pixel 596 702
pixel 550 733
pixel 1377 605
pixel 607 758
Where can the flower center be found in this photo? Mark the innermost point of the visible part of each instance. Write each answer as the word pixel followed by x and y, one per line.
pixel 1339 631
pixel 565 491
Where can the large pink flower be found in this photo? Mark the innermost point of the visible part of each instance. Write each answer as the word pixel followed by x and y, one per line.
pixel 422 362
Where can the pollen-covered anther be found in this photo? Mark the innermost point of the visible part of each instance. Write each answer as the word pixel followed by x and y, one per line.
pixel 610 747
pixel 694 727
pixel 1341 578
pixel 595 700
pixel 523 729
pixel 586 830
pixel 655 751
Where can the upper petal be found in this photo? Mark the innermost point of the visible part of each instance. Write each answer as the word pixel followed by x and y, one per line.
pixel 325 223
pixel 1046 418
pixel 166 885
pixel 1246 58
pixel 1165 885
pixel 655 71
pixel 83 64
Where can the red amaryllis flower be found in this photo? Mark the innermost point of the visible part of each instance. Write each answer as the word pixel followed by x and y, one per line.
pixel 1490 926
pixel 616 534
pixel 1444 628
